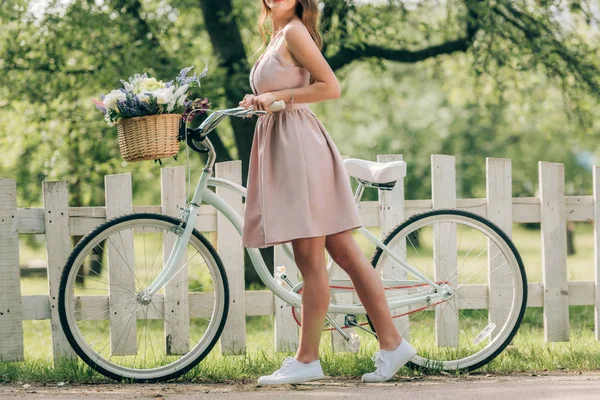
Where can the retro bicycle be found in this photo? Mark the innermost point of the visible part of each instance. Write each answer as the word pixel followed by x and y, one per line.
pixel 454 282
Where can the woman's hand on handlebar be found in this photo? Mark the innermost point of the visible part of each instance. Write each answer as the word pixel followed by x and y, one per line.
pixel 263 101
pixel 246 103
pixel 266 102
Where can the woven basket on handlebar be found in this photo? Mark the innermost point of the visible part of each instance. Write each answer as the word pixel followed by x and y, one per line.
pixel 149 138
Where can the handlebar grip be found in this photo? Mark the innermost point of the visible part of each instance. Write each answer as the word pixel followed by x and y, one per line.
pixel 277 105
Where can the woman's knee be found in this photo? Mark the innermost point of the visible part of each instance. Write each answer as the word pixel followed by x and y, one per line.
pixel 309 253
pixel 341 249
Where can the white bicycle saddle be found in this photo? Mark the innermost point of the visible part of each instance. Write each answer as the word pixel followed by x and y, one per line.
pixel 376 172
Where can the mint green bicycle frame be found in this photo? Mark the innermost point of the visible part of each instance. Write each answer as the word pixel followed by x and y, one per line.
pixel 202 193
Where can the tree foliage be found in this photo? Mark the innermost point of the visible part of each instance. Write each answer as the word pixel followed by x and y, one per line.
pixel 504 78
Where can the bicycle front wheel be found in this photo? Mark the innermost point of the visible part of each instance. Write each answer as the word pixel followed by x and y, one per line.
pixel 119 331
pixel 478 264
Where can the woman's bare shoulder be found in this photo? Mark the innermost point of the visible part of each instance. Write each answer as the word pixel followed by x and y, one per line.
pixel 296 30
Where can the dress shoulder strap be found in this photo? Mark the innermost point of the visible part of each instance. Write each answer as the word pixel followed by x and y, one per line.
pixel 277 47
pixel 278 40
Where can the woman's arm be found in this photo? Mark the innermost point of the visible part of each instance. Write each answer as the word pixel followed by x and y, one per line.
pixel 302 47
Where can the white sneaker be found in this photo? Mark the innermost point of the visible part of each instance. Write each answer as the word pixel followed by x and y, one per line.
pixel 388 362
pixel 293 371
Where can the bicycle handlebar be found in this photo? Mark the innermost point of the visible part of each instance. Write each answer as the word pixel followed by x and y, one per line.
pixel 217 116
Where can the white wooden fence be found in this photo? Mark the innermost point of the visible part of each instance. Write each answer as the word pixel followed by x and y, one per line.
pixel 58 222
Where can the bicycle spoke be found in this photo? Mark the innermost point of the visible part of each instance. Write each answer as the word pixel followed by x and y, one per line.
pixel 468 301
pixel 194 324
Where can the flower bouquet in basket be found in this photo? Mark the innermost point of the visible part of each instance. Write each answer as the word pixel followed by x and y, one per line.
pixel 149 113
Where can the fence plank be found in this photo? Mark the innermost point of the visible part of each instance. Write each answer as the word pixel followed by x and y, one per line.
pixel 391 213
pixel 233 339
pixel 58 247
pixel 260 302
pixel 338 343
pixel 121 268
pixel 554 251
pixel 597 249
pixel 11 308
pixel 499 211
pixel 177 321
pixel 444 246
pixel 286 328
pixel 525 209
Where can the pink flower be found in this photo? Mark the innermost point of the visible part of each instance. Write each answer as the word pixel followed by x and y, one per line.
pixel 99 105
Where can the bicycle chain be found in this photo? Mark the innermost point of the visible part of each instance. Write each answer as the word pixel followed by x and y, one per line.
pixel 366 323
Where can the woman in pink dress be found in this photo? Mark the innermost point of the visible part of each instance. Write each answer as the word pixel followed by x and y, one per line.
pixel 299 190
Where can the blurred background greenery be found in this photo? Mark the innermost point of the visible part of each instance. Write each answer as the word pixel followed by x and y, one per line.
pixel 501 78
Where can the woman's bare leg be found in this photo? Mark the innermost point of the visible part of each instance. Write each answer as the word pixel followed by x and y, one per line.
pixel 309 256
pixel 344 250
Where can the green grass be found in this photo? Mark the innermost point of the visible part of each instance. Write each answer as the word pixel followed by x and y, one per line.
pixel 528 352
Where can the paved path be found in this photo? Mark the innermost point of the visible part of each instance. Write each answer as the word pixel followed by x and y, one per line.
pixel 570 386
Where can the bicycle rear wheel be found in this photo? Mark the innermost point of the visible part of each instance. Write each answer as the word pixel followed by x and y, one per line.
pixel 474 260
pixel 124 335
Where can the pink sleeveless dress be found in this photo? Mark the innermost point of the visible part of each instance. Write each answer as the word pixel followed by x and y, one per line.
pixel 297 183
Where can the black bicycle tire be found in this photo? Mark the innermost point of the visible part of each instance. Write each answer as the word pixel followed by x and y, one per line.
pixel 69 264
pixel 400 227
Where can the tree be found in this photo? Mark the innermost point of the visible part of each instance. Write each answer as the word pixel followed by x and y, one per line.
pixel 56 60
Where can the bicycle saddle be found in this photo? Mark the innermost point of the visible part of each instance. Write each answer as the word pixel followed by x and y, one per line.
pixel 376 172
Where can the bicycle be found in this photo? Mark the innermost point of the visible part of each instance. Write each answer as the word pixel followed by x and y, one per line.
pixel 457 316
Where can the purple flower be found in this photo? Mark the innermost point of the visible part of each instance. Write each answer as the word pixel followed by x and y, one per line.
pixel 100 105
pixel 183 79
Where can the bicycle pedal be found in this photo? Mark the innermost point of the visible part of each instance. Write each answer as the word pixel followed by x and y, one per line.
pixel 280 282
pixel 354 342
pixel 281 277
pixel 350 320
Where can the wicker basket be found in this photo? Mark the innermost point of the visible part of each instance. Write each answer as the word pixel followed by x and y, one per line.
pixel 149 138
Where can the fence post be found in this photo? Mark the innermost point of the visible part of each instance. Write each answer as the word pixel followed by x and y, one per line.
pixel 286 328
pixel 121 268
pixel 499 211
pixel 597 249
pixel 391 213
pixel 443 194
pixel 338 343
pixel 11 307
pixel 58 247
pixel 176 302
pixel 233 339
pixel 554 251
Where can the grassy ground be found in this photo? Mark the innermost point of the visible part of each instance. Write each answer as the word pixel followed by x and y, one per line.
pixel 528 352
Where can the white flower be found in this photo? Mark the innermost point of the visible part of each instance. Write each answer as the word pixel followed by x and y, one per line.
pixel 149 84
pixel 164 95
pixel 110 100
pixel 180 92
pixel 181 100
pixel 144 97
pixel 107 119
